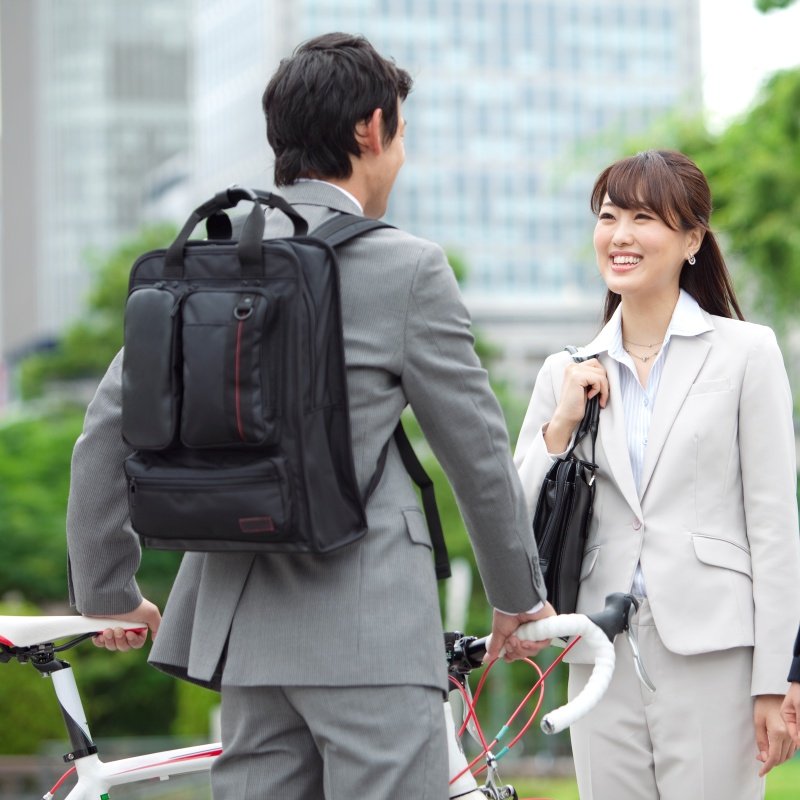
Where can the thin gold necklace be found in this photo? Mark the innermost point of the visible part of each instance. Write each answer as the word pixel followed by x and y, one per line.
pixel 636 344
pixel 643 359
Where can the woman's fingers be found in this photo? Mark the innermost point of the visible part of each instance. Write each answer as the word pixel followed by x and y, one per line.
pixel 583 380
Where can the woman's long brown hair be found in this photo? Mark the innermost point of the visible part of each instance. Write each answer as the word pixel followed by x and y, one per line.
pixel 672 186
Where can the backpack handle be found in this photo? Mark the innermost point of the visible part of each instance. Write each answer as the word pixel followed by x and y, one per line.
pixel 249 247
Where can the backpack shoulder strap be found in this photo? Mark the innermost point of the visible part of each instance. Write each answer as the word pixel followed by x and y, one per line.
pixel 344 227
pixel 425 484
pixel 336 231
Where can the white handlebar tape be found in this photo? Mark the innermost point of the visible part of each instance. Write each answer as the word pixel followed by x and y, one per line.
pixel 602 653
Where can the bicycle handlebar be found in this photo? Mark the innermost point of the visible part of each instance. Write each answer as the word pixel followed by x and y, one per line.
pixel 597 631
pixel 603 655
pixel 20 634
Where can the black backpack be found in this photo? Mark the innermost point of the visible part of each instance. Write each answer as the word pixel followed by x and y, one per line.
pixel 234 393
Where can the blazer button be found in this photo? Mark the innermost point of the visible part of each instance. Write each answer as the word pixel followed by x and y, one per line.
pixel 637 524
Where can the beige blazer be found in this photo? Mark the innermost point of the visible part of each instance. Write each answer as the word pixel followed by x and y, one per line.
pixel 714 522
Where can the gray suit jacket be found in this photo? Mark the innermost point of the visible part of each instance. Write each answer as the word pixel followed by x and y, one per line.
pixel 368 614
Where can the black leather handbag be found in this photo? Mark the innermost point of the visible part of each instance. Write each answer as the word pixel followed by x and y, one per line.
pixel 563 512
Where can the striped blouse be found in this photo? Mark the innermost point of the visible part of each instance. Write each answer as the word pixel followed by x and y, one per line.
pixel 637 400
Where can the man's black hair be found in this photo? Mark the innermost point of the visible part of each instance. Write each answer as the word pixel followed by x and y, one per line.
pixel 317 96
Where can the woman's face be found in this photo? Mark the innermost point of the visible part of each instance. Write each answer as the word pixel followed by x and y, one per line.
pixel 638 254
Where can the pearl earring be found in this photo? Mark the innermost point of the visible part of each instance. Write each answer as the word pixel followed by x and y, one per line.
pixel 692 260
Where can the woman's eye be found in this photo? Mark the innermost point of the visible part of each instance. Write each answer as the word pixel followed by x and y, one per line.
pixel 643 215
pixel 605 215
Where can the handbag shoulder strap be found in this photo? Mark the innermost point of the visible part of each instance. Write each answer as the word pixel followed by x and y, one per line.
pixel 591 415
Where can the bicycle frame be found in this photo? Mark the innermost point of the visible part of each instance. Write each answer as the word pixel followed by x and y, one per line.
pixel 30 639
pixel 96 778
pixel 30 642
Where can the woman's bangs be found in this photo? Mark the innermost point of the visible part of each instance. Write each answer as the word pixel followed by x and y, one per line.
pixel 644 181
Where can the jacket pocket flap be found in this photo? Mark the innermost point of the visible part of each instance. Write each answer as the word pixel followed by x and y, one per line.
pixel 722 553
pixel 710 387
pixel 415 525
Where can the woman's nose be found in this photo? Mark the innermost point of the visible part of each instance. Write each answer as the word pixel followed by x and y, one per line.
pixel 622 234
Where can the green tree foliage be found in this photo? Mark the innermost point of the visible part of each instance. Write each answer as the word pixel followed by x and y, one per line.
pixel 771 5
pixel 33 716
pixel 89 344
pixel 754 171
pixel 123 695
pixel 194 707
pixel 34 482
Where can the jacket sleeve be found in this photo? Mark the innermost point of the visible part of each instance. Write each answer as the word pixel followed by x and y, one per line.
pixel 104 551
pixel 451 397
pixel 794 672
pixel 769 490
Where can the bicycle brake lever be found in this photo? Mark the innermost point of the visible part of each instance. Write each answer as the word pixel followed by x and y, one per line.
pixel 617 616
pixel 638 664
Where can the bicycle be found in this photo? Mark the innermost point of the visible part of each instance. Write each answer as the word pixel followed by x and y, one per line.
pixel 34 640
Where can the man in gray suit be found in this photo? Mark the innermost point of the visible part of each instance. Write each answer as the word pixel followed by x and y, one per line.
pixel 331 668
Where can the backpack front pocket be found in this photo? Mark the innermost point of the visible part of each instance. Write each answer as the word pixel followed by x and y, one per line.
pixel 150 388
pixel 235 508
pixel 230 369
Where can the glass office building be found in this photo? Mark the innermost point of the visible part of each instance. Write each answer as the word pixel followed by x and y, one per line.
pixel 517 105
pixel 95 96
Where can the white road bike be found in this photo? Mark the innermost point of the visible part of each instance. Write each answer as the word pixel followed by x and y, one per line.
pixel 35 640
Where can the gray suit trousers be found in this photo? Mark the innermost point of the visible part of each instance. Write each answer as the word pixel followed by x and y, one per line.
pixel 310 743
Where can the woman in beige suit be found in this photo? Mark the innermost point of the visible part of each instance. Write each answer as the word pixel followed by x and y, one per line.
pixel 695 510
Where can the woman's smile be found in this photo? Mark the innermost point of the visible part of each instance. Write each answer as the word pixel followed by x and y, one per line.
pixel 624 261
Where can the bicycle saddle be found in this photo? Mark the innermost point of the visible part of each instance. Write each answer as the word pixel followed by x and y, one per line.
pixel 28 631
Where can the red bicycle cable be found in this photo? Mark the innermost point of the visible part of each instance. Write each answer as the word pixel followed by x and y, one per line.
pixel 547 672
pixel 539 685
pixel 471 712
pixel 61 780
pixel 470 704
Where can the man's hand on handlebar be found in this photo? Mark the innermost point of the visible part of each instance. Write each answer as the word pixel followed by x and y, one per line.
pixel 120 639
pixel 503 629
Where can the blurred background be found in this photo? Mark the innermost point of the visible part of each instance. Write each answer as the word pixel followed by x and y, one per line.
pixel 119 117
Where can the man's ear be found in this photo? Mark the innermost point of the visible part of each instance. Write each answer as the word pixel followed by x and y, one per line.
pixel 369 133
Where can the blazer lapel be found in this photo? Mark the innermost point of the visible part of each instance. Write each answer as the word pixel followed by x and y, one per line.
pixel 611 430
pixel 613 437
pixel 685 358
